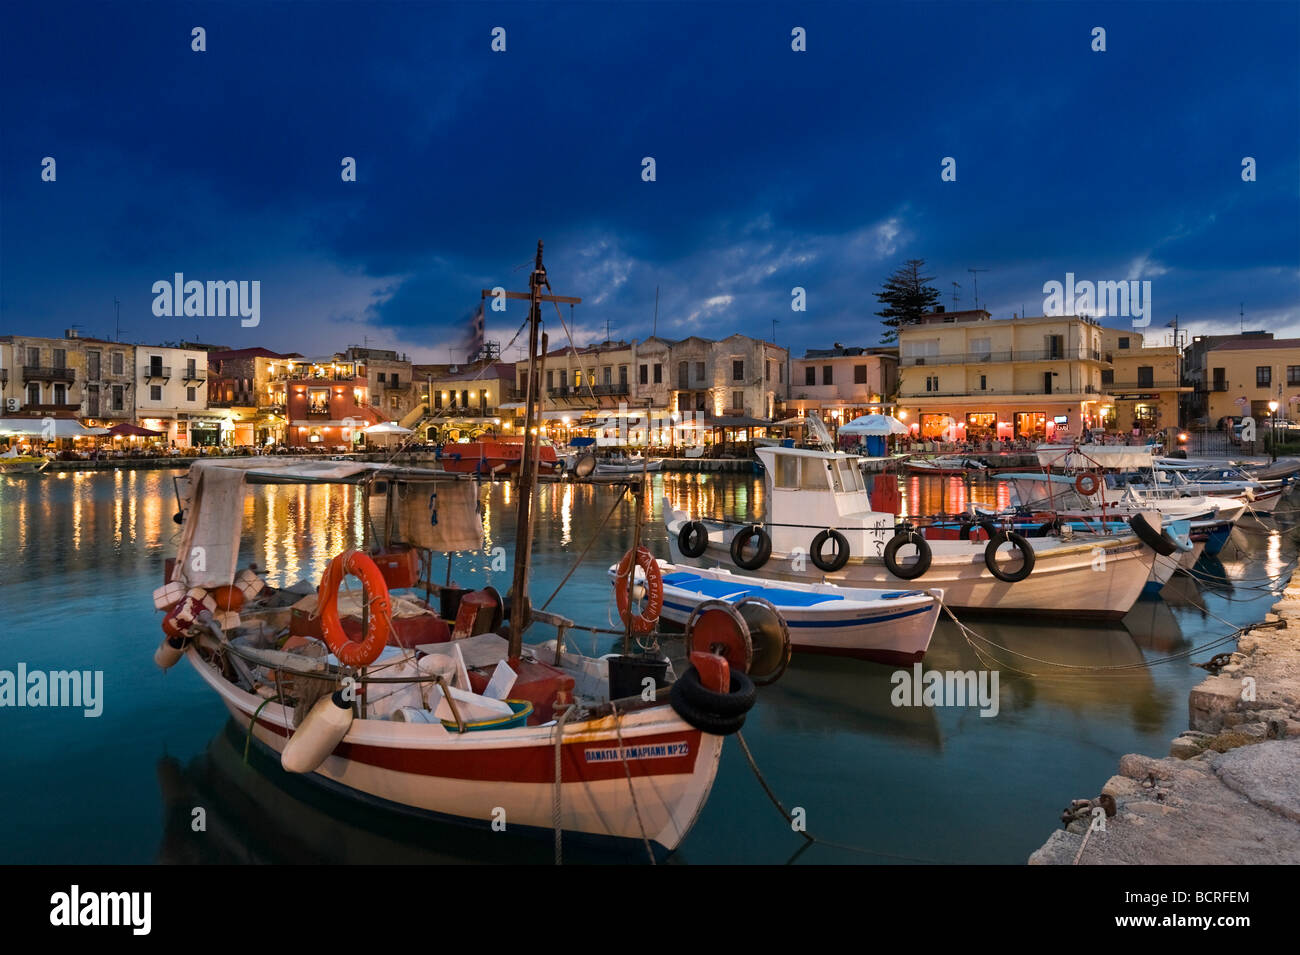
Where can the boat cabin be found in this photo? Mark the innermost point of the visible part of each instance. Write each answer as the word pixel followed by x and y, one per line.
pixel 811 490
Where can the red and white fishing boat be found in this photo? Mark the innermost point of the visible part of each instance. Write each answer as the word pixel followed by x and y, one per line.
pixel 374 693
pixel 501 456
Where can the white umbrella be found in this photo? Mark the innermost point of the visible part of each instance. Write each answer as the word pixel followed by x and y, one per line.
pixel 874 424
pixel 386 427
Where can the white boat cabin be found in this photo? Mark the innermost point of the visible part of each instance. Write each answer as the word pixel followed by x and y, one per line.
pixel 816 490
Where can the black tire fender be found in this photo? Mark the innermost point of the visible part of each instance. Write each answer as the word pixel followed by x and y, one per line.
pixel 739 701
pixel 693 539
pixel 923 557
pixel 738 548
pixel 1153 538
pixel 1021 544
pixel 841 550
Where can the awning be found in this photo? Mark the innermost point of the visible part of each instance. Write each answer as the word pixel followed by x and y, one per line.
pixel 1095 455
pixel 134 431
pixel 49 428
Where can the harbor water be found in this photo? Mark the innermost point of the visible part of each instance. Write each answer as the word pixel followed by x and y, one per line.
pixel 81 553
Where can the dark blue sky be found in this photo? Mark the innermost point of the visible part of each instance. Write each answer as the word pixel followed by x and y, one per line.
pixel 775 169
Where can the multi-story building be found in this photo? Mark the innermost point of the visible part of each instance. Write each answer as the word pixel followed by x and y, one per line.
pixel 1245 373
pixel 454 401
pixel 838 384
pixel 247 386
pixel 388 379
pixel 964 376
pixel 1198 373
pixel 1143 383
pixel 326 401
pixel 737 379
pixel 45 377
pixel 172 394
pixel 110 391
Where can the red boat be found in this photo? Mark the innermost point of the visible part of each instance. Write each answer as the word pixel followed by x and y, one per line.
pixel 500 456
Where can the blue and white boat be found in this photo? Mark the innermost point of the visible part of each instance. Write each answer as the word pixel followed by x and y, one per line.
pixel 887 626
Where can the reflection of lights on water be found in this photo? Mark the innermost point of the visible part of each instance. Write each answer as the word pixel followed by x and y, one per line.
pixel 566 515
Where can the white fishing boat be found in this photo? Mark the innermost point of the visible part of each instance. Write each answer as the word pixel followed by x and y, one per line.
pixel 633 464
pixel 817 503
pixel 887 626
pixel 14 461
pixel 373 694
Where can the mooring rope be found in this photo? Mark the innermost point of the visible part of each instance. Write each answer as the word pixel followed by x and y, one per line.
pixel 627 771
pixel 556 807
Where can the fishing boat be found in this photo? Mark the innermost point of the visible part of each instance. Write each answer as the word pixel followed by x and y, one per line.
pixel 502 456
pixel 945 466
pixel 632 464
pixel 886 626
pixel 14 461
pixel 444 713
pixel 821 525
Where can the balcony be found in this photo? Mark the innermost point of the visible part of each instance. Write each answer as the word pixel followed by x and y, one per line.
pixel 44 373
pixel 50 409
pixel 194 375
pixel 306 374
pixel 4 376
pixel 318 412
pixel 157 372
pixel 1157 384
pixel 1219 386
pixel 989 357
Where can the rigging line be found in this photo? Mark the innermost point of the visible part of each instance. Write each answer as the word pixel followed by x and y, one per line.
pixel 595 535
pixel 627 770
pixel 574 349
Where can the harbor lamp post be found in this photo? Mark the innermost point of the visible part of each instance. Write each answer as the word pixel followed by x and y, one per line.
pixel 1272 420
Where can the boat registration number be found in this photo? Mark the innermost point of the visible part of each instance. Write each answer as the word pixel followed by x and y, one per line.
pixel 649 751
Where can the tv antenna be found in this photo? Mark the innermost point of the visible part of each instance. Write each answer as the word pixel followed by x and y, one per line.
pixel 654 329
pixel 117 319
pixel 975 273
pixel 956 287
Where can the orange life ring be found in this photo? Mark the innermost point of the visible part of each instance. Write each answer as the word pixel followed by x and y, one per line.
pixel 643 622
pixel 350 652
pixel 1087 484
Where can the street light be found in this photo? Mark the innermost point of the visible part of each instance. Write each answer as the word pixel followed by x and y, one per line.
pixel 1272 411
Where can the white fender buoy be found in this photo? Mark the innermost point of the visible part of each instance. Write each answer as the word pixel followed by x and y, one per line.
pixel 169 595
pixel 169 652
pixel 322 730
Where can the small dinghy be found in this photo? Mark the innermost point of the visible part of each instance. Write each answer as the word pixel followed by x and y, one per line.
pixel 887 626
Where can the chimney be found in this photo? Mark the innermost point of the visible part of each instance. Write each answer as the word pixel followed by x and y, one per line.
pixel 69 333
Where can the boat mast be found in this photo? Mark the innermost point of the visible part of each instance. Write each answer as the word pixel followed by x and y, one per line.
pixel 520 607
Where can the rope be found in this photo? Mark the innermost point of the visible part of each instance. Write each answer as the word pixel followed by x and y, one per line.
pixel 627 770
pixel 1082 845
pixel 556 820
pixel 251 723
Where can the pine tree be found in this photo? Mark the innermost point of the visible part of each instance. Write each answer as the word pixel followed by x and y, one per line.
pixel 906 297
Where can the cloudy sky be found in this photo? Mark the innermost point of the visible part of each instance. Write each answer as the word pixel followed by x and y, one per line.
pixel 774 168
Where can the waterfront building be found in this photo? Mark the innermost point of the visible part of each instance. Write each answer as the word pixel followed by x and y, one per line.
pixel 1242 374
pixel 388 379
pixel 1143 383
pixel 326 401
pixel 172 395
pixel 463 401
pixel 965 377
pixel 243 384
pixel 110 391
pixel 841 383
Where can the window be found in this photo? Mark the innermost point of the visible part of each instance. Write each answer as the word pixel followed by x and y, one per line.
pixel 810 375
pixel 607 373
pixel 828 374
pixel 33 393
pixel 118 402
pixel 464 399
pixel 622 376
pixel 118 362
pixel 60 358
pixel 34 359
pixel 981 347
pixel 787 471
pixel 1108 376
pixel 564 379
pixel 191 369
pixel 1123 343
pixel 859 374
pixel 932 383
pixel 155 392
pixel 92 401
pixel 1146 376
pixel 60 394
pixel 645 375
pixel 699 402
pixel 699 371
pixel 1293 374
pixel 984 383
pixel 437 400
pixel 191 394
pixel 738 369
pixel 392 380
pixel 550 381
pixel 381 377
pixel 767 371
pixel 683 374
pixel 155 365
pixel 659 373
pixel 738 400
pixel 780 374
pixel 1263 376
pixel 92 365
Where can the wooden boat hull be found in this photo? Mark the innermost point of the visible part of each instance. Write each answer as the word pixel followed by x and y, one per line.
pixel 507 776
